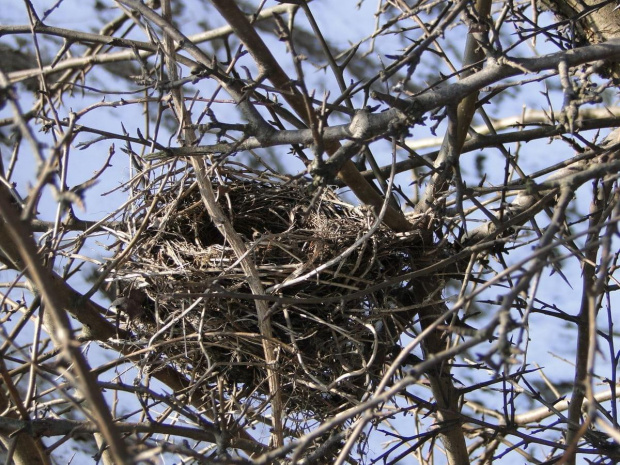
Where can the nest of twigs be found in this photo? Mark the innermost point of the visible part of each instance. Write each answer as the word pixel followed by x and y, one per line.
pixel 197 312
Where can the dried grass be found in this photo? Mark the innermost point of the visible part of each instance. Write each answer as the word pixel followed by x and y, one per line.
pixel 199 314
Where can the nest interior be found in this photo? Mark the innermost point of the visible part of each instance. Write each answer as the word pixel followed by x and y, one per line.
pixel 197 310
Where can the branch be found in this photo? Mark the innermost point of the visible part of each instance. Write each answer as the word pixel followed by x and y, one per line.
pixel 478 142
pixel 144 49
pixel 495 71
pixel 529 117
pixel 50 427
pixel 223 224
pixel 539 414
pixel 271 69
pixel 25 252
pixel 570 177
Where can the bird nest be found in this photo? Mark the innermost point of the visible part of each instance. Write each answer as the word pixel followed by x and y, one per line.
pixel 194 309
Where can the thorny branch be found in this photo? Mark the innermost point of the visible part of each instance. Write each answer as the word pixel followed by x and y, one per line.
pixel 250 299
